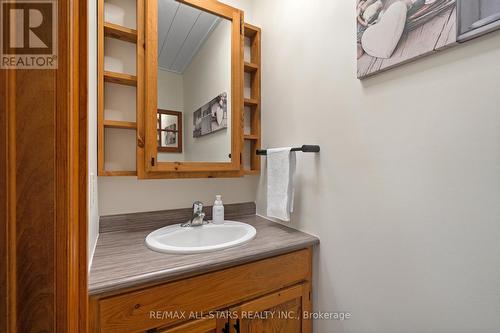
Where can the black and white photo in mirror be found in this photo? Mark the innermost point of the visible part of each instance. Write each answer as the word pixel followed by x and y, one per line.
pixel 211 117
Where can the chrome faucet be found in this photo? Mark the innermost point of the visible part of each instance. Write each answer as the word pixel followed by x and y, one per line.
pixel 198 216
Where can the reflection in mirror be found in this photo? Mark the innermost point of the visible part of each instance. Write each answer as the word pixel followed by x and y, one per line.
pixel 194 79
pixel 169 130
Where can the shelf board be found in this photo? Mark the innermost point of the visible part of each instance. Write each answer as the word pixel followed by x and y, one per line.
pixel 120 124
pixel 251 102
pixel 122 33
pixel 251 67
pixel 120 78
pixel 250 30
pixel 118 173
pixel 251 137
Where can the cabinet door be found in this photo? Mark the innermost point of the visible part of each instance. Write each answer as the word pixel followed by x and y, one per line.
pixel 204 325
pixel 278 312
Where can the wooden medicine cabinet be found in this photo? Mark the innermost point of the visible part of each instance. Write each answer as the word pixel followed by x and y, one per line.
pixel 195 61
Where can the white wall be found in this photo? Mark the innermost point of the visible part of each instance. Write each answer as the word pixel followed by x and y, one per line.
pixel 405 194
pixel 127 194
pixel 207 76
pixel 93 210
pixel 121 195
pixel 171 97
pixel 170 91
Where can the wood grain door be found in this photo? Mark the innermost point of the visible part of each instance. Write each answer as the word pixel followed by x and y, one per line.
pixel 275 313
pixel 204 325
pixel 43 182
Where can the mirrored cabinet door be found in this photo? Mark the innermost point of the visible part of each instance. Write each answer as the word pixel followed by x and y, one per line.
pixel 194 86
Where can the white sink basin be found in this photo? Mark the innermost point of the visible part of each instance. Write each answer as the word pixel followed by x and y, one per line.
pixel 205 238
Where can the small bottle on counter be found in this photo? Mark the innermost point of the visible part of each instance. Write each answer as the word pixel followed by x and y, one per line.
pixel 218 210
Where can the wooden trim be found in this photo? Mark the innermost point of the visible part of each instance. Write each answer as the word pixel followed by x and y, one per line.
pixel 193 175
pixel 45 283
pixel 150 84
pixel 141 44
pixel 125 34
pixel 82 146
pixel 251 137
pixel 212 6
pixel 177 114
pixel 68 170
pixel 100 87
pixel 8 147
pixel 11 203
pixel 120 124
pixel 3 202
pixel 180 169
pixel 120 78
pixel 118 173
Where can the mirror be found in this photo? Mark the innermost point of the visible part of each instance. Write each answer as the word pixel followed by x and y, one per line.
pixel 194 81
pixel 193 90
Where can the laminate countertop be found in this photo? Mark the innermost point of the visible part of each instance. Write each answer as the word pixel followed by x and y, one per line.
pixel 122 260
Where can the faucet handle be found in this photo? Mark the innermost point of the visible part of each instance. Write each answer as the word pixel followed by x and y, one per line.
pixel 197 207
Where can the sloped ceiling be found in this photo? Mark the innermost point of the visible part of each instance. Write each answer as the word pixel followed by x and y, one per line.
pixel 182 30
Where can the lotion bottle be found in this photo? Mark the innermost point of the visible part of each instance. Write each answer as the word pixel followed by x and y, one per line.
pixel 218 210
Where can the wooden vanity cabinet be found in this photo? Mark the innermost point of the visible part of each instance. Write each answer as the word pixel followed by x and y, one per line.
pixel 268 295
pixel 204 325
pixel 278 312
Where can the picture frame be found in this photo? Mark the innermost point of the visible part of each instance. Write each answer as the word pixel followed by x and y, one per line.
pixel 169 131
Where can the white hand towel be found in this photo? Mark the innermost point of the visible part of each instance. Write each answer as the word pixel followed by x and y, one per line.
pixel 280 190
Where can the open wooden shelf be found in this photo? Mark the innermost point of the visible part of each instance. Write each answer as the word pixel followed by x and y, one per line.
pixel 250 67
pixel 120 124
pixel 120 78
pixel 251 102
pixel 122 33
pixel 107 30
pixel 250 30
pixel 251 137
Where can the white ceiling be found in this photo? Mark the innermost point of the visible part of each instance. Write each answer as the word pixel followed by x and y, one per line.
pixel 181 32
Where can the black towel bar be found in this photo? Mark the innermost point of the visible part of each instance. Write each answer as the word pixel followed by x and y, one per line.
pixel 304 149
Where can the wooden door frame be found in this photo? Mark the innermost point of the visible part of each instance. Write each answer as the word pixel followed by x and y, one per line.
pixel 43 280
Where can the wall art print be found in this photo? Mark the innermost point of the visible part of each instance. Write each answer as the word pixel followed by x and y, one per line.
pixel 394 32
pixel 211 117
